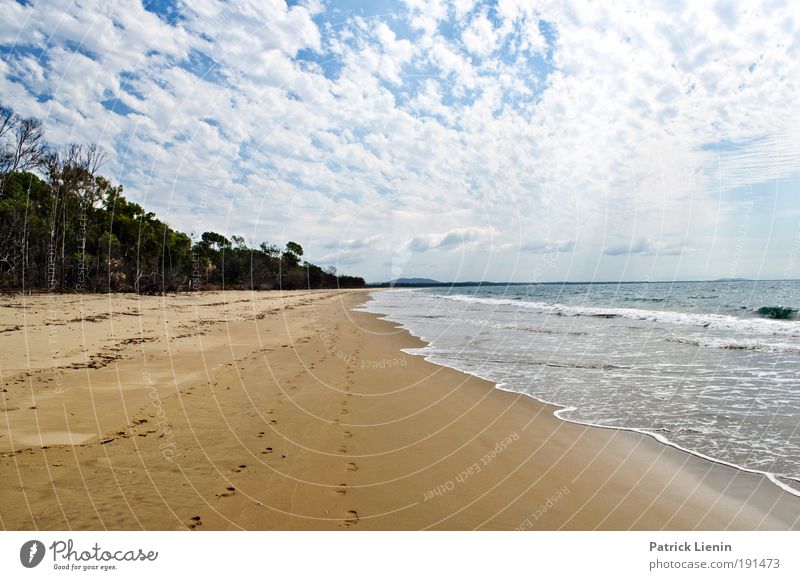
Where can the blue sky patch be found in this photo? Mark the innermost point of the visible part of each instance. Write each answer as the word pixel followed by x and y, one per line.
pixel 113 104
pixel 167 10
pixel 203 66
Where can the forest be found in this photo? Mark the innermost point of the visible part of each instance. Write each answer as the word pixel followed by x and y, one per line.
pixel 66 228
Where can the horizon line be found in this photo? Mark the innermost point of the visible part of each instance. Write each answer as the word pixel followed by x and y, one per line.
pixel 553 282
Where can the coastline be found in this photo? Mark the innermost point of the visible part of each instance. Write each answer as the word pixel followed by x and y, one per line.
pixel 558 409
pixel 717 479
pixel 428 352
pixel 317 419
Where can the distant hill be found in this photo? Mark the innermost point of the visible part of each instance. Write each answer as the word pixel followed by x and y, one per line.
pixel 420 282
pixel 414 281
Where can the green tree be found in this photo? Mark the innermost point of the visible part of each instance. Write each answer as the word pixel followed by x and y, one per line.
pixel 292 254
pixel 64 227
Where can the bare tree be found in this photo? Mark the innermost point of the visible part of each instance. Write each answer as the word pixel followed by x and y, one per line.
pixel 6 121
pixel 53 167
pixel 23 148
pixel 89 189
pixel 72 173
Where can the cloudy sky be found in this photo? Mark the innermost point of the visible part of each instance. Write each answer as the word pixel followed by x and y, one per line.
pixel 509 140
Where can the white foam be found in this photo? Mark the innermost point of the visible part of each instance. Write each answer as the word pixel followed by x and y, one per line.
pixel 429 354
pixel 714 321
pixel 737 344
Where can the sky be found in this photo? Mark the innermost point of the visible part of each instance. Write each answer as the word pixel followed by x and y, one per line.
pixel 449 139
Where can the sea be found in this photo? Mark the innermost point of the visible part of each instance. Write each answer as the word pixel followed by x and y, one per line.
pixel 710 367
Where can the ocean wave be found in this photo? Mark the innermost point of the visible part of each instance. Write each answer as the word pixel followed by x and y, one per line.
pixel 680 396
pixel 724 322
pixel 728 344
pixel 496 325
pixel 777 312
pixel 602 366
pixel 644 299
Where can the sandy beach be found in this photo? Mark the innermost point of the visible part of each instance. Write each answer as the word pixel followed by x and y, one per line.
pixel 284 411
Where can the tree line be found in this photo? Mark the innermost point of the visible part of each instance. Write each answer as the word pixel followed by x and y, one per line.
pixel 64 227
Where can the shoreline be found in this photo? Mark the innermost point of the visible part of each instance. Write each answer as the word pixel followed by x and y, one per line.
pixel 558 408
pixel 303 412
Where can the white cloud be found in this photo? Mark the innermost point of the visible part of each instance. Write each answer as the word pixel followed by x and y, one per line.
pixel 549 247
pixel 450 240
pixel 480 37
pixel 463 7
pixel 434 117
pixel 645 247
pixel 355 244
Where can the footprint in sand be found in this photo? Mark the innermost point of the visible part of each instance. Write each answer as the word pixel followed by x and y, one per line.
pixel 341 489
pixel 352 518
pixel 342 449
pixel 229 491
pixel 195 522
pixel 352 467
pixel 267 450
pixel 347 435
pixel 344 412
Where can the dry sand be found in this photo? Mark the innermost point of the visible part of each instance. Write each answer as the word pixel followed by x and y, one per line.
pixel 242 410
